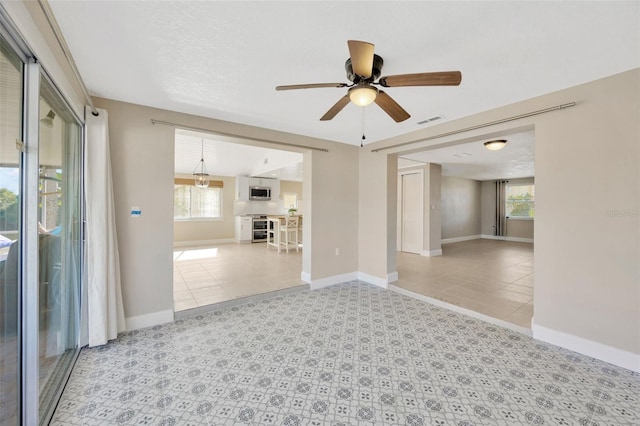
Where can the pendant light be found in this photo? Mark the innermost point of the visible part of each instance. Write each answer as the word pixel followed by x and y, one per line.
pixel 202 177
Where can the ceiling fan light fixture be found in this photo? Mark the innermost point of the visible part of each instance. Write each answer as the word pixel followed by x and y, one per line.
pixel 495 145
pixel 363 95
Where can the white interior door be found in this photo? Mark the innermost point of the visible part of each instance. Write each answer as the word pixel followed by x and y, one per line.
pixel 412 221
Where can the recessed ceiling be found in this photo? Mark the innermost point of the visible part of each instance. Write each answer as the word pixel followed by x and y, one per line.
pixel 473 161
pixel 224 59
pixel 234 159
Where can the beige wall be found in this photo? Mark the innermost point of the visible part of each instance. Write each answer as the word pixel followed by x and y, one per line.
pixel 142 155
pixel 516 228
pixel 520 228
pixel 460 207
pixel 334 209
pixel 433 209
pixel 587 278
pixel 377 188
pixel 295 188
pixel 195 231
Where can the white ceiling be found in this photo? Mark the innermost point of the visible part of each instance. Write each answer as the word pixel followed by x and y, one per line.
pixel 473 161
pixel 223 158
pixel 224 59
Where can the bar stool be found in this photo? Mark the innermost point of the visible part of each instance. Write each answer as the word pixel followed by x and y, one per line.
pixel 289 229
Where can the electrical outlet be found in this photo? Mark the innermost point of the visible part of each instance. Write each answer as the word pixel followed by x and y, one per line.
pixel 337 252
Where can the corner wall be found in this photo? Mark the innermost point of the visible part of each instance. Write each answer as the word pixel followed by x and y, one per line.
pixel 460 207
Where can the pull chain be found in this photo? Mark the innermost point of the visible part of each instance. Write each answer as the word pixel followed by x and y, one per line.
pixel 363 137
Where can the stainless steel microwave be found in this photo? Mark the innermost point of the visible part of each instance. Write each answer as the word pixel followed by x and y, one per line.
pixel 260 193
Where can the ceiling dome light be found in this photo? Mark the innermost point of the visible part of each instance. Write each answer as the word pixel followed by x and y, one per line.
pixel 495 145
pixel 363 95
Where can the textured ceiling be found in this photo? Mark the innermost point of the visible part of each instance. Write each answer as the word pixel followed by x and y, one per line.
pixel 224 59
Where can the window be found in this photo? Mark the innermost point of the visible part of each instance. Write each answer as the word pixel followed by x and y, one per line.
pixel 290 200
pixel 520 201
pixel 191 202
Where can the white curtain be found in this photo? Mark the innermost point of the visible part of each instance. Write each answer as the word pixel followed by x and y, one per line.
pixel 105 313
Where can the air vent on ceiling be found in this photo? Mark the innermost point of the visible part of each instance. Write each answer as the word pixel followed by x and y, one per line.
pixel 430 119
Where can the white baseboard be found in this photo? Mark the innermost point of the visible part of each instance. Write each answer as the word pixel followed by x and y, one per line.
pixel 305 277
pixel 431 253
pixel 461 310
pixel 459 239
pixel 378 282
pixel 200 243
pixel 335 279
pixel 514 239
pixel 149 320
pixel 619 357
pixel 392 277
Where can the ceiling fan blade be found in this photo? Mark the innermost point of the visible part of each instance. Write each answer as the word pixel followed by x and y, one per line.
pixel 443 78
pixel 391 107
pixel 336 108
pixel 361 54
pixel 310 86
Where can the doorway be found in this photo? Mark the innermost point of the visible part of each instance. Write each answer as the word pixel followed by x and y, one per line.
pixel 411 205
pixel 479 270
pixel 222 255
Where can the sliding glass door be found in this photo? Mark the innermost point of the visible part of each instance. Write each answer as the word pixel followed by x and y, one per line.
pixel 11 90
pixel 59 237
pixel 40 237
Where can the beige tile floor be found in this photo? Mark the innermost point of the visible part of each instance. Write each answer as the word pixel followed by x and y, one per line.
pixel 494 278
pixel 206 275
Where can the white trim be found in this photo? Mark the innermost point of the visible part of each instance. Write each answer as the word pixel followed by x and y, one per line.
pixel 200 243
pixel 305 277
pixel 514 239
pixel 332 280
pixel 149 320
pixel 588 347
pixel 431 253
pixel 458 239
pixel 461 310
pixel 378 282
pixel 392 277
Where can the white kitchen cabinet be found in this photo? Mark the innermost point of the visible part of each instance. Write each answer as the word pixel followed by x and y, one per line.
pixel 244 229
pixel 275 190
pixel 265 182
pixel 242 188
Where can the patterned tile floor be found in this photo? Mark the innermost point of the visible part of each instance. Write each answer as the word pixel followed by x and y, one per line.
pixel 344 355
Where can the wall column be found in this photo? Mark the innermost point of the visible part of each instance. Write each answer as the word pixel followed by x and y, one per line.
pixel 432 210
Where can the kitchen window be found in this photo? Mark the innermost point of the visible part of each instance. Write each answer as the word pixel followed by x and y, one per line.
pixel 193 203
pixel 290 200
pixel 520 201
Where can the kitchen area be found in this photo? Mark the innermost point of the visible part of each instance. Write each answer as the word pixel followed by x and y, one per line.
pixel 261 209
pixel 225 258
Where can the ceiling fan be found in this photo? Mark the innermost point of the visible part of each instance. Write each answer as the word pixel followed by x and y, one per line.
pixel 363 68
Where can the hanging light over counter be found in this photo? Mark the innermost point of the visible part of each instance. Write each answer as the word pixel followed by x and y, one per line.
pixel 202 177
